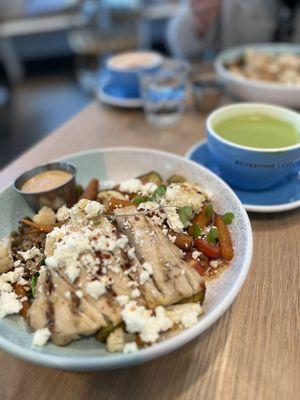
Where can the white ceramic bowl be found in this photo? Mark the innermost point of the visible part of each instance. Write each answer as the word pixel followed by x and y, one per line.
pixel 118 164
pixel 252 90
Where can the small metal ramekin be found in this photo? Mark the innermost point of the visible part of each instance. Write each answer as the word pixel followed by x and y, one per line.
pixel 53 198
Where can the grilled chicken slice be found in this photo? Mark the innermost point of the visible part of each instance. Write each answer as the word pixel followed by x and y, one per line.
pixel 66 315
pixel 172 279
pixel 68 309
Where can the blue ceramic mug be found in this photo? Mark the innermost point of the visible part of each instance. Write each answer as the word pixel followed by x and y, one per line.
pixel 124 69
pixel 248 167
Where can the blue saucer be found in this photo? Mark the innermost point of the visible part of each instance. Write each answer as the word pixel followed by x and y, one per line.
pixel 114 95
pixel 282 197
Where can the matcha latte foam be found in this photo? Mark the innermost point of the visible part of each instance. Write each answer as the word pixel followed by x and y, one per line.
pixel 258 130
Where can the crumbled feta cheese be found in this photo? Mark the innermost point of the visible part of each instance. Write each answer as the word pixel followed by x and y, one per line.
pixel 131 186
pixel 135 317
pixel 17 263
pixel 46 216
pixel 131 253
pixel 185 314
pixel 130 348
pixel 79 293
pixel 9 303
pixel 95 289
pixel 72 272
pixel 139 320
pixel 214 263
pixel 4 286
pixel 22 281
pixel 172 238
pixel 122 300
pixel 66 253
pixel 77 213
pixel 174 220
pixel 189 319
pixel 157 324
pixel 62 214
pixel 185 194
pixel 105 244
pixel 68 295
pixel 93 209
pixel 196 254
pixel 145 273
pixel 31 253
pixel 41 337
pixel 122 242
pixel 89 261
pixel 148 206
pixel 147 189
pixel 13 276
pixel 165 231
pixel 157 219
pixel 135 293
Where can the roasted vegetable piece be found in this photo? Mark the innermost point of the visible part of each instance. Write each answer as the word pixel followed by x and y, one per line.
pixel 202 220
pixel 6 260
pixel 104 196
pixel 152 176
pixel 184 241
pixel 196 298
pixel 20 291
pixel 103 333
pixel 200 266
pixel 224 238
pixel 42 228
pixel 90 193
pixel 209 249
pixel 118 203
pixel 175 179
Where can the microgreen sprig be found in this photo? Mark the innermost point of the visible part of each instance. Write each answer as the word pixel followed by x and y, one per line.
pixel 228 218
pixel 185 214
pixel 212 235
pixel 196 231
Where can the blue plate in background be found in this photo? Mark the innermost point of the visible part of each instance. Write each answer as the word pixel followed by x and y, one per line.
pixel 114 95
pixel 282 197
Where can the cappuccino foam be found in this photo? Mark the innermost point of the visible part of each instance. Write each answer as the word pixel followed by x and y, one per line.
pixel 134 60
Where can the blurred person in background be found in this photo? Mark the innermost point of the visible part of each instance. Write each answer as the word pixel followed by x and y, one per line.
pixel 211 25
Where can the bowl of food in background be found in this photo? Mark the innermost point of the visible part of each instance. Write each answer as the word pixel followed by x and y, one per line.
pixel 262 72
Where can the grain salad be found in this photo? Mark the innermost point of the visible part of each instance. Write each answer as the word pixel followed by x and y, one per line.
pixel 128 264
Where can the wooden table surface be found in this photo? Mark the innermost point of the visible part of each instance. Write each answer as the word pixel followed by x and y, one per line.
pixel 251 352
